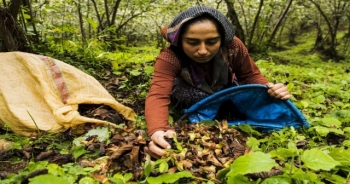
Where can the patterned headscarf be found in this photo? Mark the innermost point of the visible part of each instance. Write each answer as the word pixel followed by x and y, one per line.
pixel 174 29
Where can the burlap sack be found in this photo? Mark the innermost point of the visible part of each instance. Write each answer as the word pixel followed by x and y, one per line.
pixel 50 91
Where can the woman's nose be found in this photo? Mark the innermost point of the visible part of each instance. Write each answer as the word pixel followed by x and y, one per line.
pixel 202 50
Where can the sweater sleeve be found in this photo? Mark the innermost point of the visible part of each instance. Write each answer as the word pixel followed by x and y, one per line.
pixel 243 66
pixel 158 99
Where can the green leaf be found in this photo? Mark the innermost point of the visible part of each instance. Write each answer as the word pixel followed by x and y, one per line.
pixel 282 153
pixel 318 160
pixel 336 131
pixel 93 24
pixel 248 129
pixel 119 178
pixel 87 180
pixel 170 120
pixel 293 147
pixel 77 141
pixel 302 104
pixel 208 122
pixel 210 182
pixel 222 173
pixel 346 143
pixel 331 122
pixel 101 132
pixel 135 73
pixel 304 176
pixel 148 168
pixel 332 178
pixel 290 86
pixel 277 179
pixel 238 179
pixel 178 145
pixel 32 166
pixel 322 131
pixel 77 151
pixel 253 143
pixel 346 129
pixel 47 178
pixel 319 99
pixel 116 180
pixel 127 176
pixel 149 70
pixel 169 177
pixel 252 163
pixel 341 155
pixel 55 170
pixel 163 167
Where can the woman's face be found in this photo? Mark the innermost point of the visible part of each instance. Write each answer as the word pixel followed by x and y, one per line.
pixel 201 41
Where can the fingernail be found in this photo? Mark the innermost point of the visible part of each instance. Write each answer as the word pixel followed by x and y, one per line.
pixel 168 147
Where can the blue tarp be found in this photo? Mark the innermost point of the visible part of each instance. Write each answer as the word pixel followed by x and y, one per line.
pixel 260 110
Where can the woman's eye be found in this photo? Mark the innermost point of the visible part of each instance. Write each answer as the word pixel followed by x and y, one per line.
pixel 212 42
pixel 192 43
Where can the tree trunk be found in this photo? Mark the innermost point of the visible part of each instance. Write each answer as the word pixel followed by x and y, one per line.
pixel 348 33
pixel 250 38
pixel 107 13
pixel 292 34
pixel 31 20
pixel 319 38
pixel 81 22
pixel 239 32
pixel 89 34
pixel 13 38
pixel 115 10
pixel 6 22
pixel 100 27
pixel 246 24
pixel 332 26
pixel 280 20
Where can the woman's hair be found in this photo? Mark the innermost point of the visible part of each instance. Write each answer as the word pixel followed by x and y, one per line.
pixel 203 18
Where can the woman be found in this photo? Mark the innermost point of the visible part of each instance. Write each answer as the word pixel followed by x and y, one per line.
pixel 203 58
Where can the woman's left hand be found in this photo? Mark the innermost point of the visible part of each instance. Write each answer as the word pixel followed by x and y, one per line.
pixel 278 91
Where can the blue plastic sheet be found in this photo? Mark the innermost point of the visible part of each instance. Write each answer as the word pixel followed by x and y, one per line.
pixel 261 111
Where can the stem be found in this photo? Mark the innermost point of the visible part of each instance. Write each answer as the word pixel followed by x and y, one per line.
pixel 37 128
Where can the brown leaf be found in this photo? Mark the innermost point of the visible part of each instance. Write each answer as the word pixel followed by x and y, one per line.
pixel 238 149
pixel 172 170
pixel 102 149
pixel 102 178
pixel 44 155
pixel 100 113
pixel 26 154
pixel 226 160
pixel 213 160
pixel 61 159
pixel 132 159
pixel 86 163
pixel 119 138
pixel 115 151
pixel 272 172
pixel 301 143
pixel 114 118
pixel 33 174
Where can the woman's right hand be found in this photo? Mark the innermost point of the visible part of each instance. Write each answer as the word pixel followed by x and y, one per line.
pixel 158 143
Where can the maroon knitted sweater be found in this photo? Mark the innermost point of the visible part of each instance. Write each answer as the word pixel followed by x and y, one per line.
pixel 167 67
